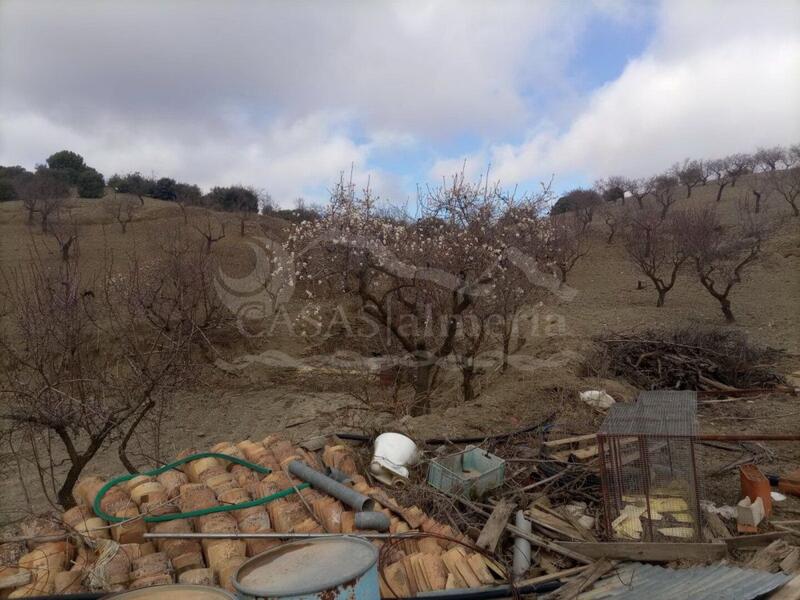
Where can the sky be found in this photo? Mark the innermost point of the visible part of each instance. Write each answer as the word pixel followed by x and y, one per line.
pixel 286 95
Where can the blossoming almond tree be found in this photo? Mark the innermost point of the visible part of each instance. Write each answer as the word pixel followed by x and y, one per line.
pixel 416 279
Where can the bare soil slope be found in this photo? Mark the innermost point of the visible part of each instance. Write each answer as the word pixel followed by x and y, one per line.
pixel 259 399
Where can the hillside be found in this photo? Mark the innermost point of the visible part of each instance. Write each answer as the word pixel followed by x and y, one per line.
pixel 225 404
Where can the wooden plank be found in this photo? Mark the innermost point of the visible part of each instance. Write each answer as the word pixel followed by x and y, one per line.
pixel 495 525
pixel 581 582
pixel 717 527
pixel 756 540
pixel 536 540
pixel 553 523
pixel 649 551
pixel 16 580
pixel 553 576
pixel 585 454
pixel 570 440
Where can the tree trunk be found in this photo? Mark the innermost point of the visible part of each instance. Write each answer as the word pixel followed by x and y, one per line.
pixel 122 451
pixel 506 346
pixel 725 305
pixel 241 228
pixel 467 376
pixel 423 373
pixel 758 201
pixel 662 295
pixel 719 191
pixel 688 191
pixel 562 273
pixel 124 226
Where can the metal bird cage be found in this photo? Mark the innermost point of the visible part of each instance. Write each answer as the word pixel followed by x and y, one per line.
pixel 648 468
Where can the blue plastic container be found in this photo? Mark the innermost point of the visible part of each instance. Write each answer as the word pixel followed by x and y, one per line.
pixel 469 473
pixel 336 568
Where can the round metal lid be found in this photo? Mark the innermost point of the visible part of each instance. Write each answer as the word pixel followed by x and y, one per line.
pixel 306 567
pixel 180 591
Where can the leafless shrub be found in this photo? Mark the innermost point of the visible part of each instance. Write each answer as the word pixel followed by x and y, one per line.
pixel 85 366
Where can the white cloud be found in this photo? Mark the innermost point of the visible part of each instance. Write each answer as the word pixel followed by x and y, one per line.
pixel 281 95
pixel 718 78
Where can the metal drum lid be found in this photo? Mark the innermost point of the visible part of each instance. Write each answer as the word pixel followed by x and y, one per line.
pixel 174 592
pixel 306 567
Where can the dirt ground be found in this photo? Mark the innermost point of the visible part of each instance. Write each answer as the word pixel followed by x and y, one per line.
pixel 255 401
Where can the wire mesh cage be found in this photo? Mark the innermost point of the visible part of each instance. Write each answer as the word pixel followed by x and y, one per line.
pixel 648 468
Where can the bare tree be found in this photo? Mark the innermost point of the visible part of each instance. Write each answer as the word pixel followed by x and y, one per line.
pixel 415 280
pixel 88 370
pixel 767 159
pixel 792 156
pixel 786 184
pixel 640 189
pixel 612 188
pixel 212 230
pixel 66 234
pixel 654 245
pixel 567 243
pixel 721 255
pixel 43 193
pixel 718 168
pixel 664 192
pixel 737 165
pixel 611 220
pixel 122 210
pixel 690 174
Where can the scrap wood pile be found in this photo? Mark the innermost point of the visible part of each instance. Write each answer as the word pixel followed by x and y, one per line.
pixel 96 555
pixel 688 359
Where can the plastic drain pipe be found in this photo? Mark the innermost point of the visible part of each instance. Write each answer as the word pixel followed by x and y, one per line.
pixel 348 496
pixel 522 547
pixel 372 520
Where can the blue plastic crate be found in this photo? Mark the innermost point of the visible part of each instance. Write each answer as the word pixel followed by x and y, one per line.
pixel 469 473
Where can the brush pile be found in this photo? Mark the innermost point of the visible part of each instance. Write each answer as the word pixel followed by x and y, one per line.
pixel 687 359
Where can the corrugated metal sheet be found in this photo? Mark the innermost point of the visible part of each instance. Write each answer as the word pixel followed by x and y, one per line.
pixel 714 582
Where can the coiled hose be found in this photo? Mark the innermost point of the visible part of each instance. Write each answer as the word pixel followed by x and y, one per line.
pixel 192 513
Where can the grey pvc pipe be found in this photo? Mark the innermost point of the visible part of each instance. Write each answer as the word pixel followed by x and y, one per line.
pixel 338 475
pixel 522 547
pixel 348 496
pixel 275 535
pixel 371 520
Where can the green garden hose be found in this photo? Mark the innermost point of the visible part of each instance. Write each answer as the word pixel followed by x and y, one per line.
pixel 192 513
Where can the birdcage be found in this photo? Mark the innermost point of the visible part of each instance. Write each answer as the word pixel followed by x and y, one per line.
pixel 648 467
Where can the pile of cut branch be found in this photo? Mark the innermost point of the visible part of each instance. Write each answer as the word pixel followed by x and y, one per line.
pixel 687 359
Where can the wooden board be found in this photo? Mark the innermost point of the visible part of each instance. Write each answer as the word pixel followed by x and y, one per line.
pixel 553 523
pixel 755 541
pixel 495 525
pixel 648 551
pixel 569 441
